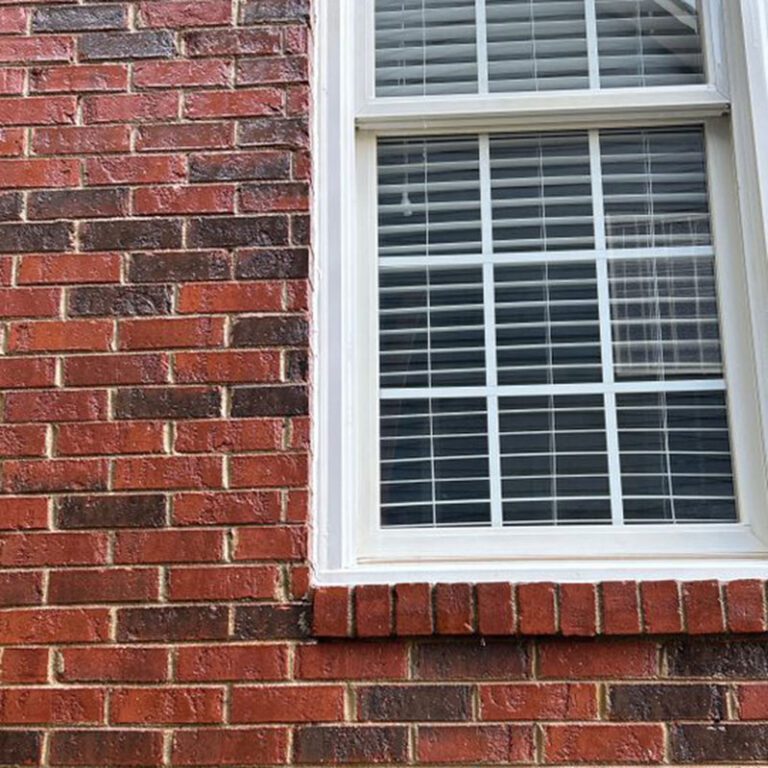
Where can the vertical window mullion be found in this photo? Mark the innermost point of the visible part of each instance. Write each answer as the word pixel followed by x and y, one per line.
pixel 606 332
pixel 489 301
pixel 593 51
pixel 481 30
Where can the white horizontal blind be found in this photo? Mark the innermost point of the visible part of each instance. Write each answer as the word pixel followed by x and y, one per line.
pixel 429 47
pixel 633 269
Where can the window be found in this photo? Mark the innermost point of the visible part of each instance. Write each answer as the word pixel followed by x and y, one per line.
pixel 539 290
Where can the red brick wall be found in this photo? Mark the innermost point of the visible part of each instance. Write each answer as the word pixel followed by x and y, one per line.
pixel 153 456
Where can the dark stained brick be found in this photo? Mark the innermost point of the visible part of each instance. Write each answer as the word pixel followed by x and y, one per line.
pixel 272 622
pixel 297 365
pixel 707 658
pixel 275 131
pixel 113 748
pixel 111 512
pixel 20 747
pixel 425 703
pixel 130 235
pixel 270 401
pixel 707 744
pixel 491 660
pixel 10 206
pixel 271 331
pixel 85 17
pixel 119 301
pixel 77 204
pixel 287 264
pixel 127 45
pixel 238 167
pixel 275 10
pixel 659 703
pixel 167 403
pixel 172 624
pixel 190 266
pixel 237 232
pixel 351 745
pixel 34 238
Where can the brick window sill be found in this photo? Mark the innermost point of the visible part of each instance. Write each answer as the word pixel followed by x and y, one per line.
pixel 543 609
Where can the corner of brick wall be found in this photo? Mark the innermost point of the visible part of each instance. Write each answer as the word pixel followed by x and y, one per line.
pixel 154 585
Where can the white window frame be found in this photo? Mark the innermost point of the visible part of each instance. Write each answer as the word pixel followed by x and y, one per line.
pixel 349 545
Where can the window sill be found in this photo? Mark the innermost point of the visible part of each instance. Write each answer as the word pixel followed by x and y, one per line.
pixel 623 608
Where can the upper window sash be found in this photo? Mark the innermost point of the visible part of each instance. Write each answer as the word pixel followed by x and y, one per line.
pixel 490 97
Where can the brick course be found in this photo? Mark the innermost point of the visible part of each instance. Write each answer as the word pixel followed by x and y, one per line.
pixel 156 606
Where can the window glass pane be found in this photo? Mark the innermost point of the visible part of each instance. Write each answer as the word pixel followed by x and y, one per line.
pixel 541 192
pixel 537 46
pixel 676 458
pixel 425 47
pixel 649 43
pixel 434 462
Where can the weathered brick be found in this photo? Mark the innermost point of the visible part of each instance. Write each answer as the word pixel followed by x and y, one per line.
pixel 170 706
pixel 269 401
pixel 184 266
pixel 21 747
pixel 80 79
pixel 24 665
pixel 185 136
pixel 734 744
pixel 128 234
pixel 172 624
pixel 351 745
pixel 233 232
pixel 10 206
pixel 76 140
pixel 239 167
pixel 146 511
pixel 414 703
pixel 613 744
pixel 241 746
pixel 603 659
pixel 119 301
pixel 224 583
pixel 477 744
pixel 108 585
pixel 100 747
pixel 664 703
pixel 270 331
pixel 286 264
pixel 82 18
pixel 167 403
pixel 87 370
pixel 257 11
pixel 274 131
pixel 226 508
pixel 487 660
pixel 233 663
pixel 126 45
pixel 718 659
pixel 272 622
pixel 201 13
pixel 78 204
pixel 167 473
pixel 19 589
pixel 232 42
pixel 33 238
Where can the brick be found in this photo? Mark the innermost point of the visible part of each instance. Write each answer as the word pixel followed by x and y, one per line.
pixel 11 81
pixel 487 660
pixel 230 583
pixel 233 42
pixel 24 665
pixel 78 140
pixel 111 511
pixel 171 706
pixel 414 703
pixel 113 748
pixel 80 79
pixel 270 331
pixel 44 626
pixel 34 373
pixel 10 205
pixel 202 13
pixel 78 204
pixel 178 74
pixel 241 166
pixel 703 607
pixel 454 610
pixel 52 405
pixel 620 608
pixel 331 612
pixel 478 744
pixel 107 665
pixel 718 660
pixel 13 21
pixel 274 198
pixel 20 588
pixel 163 547
pixel 82 18
pixel 287 704
pixel 229 297
pixel 271 543
pixel 20 513
pixel 246 508
pixel 269 471
pixel 184 200
pixel 167 403
pixel 31 238
pixel 24 174
pixel 51 110
pixel 113 370
pixel 28 302
pixel 126 45
pixel 130 234
pixel 241 103
pixel 232 232
pixel 21 441
pixel 373 610
pixel 232 663
pixel 147 169
pixel 171 333
pixel 256 11
pixel 23 50
pixel 264 264
pixel 285 621
pixel 751 702
pixel 283 69
pixel 257 746
pixel 123 301
pixel 626 744
pixel 49 707
pixel 599 660
pixel 275 131
pixel 12 143
pixel 21 747
pixel 352 661
pixel 734 744
pixel 662 608
pixel 578 610
pixel 172 624
pixel 413 609
pixel 35 549
pixel 228 436
pixel 529 702
pixel 270 401
pixel 55 475
pixel 495 609
pixel 350 745
pixel 185 136
pixel 745 606
pixel 169 473
pixel 184 266
pixel 537 608
pixel 660 703
pixel 112 585
pixel 105 439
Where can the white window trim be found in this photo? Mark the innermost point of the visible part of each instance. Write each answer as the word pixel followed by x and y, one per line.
pixel 348 545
